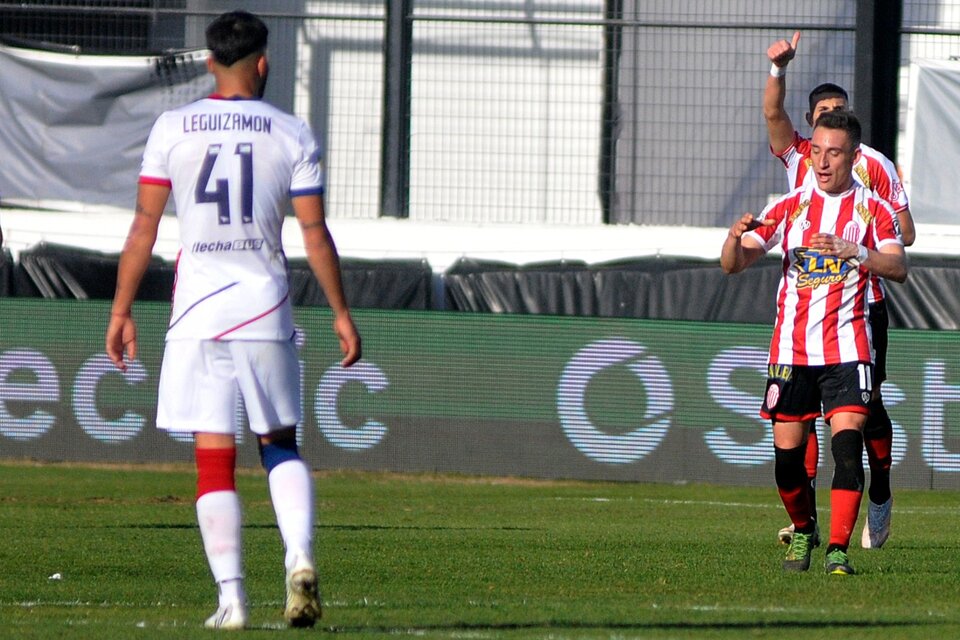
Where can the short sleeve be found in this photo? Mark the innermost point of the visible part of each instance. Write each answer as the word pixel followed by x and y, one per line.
pixel 153 169
pixel 770 236
pixel 886 227
pixel 307 176
pixel 795 159
pixel 887 184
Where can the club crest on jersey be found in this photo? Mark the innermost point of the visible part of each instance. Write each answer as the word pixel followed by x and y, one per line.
pixel 799 210
pixel 851 232
pixel 815 269
pixel 864 176
pixel 864 212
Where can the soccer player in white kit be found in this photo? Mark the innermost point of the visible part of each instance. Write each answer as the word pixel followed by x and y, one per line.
pixel 834 234
pixel 234 164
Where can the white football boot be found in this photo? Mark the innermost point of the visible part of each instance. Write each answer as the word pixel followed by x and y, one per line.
pixel 303 599
pixel 232 615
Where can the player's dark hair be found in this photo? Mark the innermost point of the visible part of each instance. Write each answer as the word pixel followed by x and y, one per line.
pixel 824 91
pixel 843 121
pixel 235 35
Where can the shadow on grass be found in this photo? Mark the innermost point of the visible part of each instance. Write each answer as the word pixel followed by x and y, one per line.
pixel 786 625
pixel 328 527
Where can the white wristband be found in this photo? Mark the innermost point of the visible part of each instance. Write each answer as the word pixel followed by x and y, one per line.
pixel 778 72
pixel 862 254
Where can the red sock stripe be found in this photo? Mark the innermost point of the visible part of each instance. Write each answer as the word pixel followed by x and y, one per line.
pixel 844 506
pixel 797 503
pixel 811 457
pixel 879 452
pixel 215 470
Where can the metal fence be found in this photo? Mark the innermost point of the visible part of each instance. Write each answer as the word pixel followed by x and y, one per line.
pixel 532 111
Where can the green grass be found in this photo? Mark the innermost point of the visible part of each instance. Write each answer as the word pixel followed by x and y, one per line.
pixel 455 557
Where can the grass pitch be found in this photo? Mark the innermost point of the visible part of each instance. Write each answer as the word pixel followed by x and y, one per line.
pixel 115 553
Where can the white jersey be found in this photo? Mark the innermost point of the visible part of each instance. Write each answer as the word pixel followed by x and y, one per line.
pixel 232 166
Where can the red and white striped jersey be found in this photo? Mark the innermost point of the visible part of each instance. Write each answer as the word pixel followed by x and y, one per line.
pixel 874 171
pixel 232 166
pixel 822 300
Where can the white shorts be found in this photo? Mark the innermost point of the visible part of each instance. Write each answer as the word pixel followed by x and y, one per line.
pixel 202 382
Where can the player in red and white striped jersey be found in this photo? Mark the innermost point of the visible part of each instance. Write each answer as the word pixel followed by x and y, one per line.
pixel 234 165
pixel 833 234
pixel 875 172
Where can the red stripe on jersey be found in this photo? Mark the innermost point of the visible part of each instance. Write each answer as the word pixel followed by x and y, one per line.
pixel 780 212
pixel 803 168
pixel 781 299
pixel 163 182
pixel 253 319
pixel 860 321
pixel 876 292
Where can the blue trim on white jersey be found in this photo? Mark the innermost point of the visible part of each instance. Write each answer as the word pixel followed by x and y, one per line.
pixel 206 297
pixel 311 191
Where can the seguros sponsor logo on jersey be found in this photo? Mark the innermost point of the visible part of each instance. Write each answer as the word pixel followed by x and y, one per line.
pixel 815 269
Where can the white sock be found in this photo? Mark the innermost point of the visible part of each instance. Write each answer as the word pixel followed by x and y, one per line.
pixel 291 491
pixel 231 591
pixel 218 514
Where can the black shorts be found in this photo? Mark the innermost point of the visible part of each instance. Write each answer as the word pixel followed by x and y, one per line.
pixel 799 393
pixel 879 322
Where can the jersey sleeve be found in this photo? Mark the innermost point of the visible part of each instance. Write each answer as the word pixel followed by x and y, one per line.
pixel 886 182
pixel 769 236
pixel 153 169
pixel 307 176
pixel 886 227
pixel 795 159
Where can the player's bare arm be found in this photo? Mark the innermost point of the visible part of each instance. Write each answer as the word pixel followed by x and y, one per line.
pixel 908 231
pixel 137 251
pixel 739 251
pixel 779 126
pixel 890 261
pixel 325 264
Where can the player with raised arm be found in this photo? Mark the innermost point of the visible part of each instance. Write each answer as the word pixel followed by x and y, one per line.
pixel 234 164
pixel 833 234
pixel 875 172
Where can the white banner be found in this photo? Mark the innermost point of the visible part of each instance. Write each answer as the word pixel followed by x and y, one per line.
pixel 935 94
pixel 72 127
